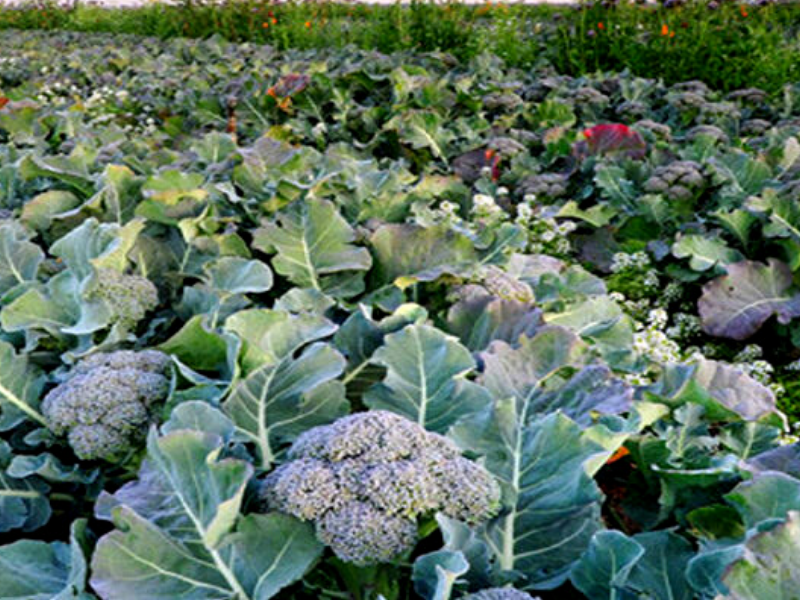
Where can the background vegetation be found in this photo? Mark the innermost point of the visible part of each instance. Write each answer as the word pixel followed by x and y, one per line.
pixel 727 45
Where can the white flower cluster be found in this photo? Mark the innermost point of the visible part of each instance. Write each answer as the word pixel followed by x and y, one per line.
pixel 671 293
pixel 57 93
pixel 10 61
pixel 622 261
pixel 750 360
pixel 685 327
pixel 652 342
pixel 546 235
pixel 484 207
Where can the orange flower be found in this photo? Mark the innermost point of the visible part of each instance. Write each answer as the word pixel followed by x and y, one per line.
pixel 308 24
pixel 672 34
pixel 274 21
pixel 265 25
pixel 601 26
pixel 743 10
pixel 621 453
pixel 664 30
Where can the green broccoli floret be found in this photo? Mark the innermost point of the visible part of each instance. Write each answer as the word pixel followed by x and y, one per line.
pixel 680 180
pixel 128 297
pixel 500 593
pixel 545 185
pixel 104 405
pixel 366 479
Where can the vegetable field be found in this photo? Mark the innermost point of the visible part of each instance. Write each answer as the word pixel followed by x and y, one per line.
pixel 347 325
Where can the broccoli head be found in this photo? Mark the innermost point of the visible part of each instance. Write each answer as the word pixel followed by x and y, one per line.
pixel 366 478
pixel 709 132
pixel 128 297
pixel 680 180
pixel 545 185
pixel 104 405
pixel 499 593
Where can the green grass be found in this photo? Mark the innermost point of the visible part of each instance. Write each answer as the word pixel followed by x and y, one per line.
pixel 731 47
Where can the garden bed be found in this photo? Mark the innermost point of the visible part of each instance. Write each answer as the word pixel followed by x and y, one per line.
pixel 232 273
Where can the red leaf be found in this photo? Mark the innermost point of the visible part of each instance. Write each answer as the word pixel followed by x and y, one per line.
pixel 611 138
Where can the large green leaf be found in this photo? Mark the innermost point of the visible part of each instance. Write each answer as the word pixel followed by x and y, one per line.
pixel 600 320
pixel 552 371
pixel 198 347
pixel 19 258
pixel 613 185
pixel 23 500
pixel 171 196
pixel 603 571
pixel 422 129
pixel 314 248
pixel 704 252
pixel 770 566
pixel 236 275
pixel 765 497
pixel 736 305
pixel 20 389
pixel 278 401
pixel 180 535
pixel 552 506
pixel 271 335
pixel 660 572
pixel 407 253
pixel 740 176
pixel 734 390
pixel 426 378
pixel 479 318
pixel 35 570
pixel 98 245
pixel 435 574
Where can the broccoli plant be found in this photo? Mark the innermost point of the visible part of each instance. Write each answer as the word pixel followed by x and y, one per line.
pixel 105 403
pixel 680 180
pixel 128 297
pixel 365 480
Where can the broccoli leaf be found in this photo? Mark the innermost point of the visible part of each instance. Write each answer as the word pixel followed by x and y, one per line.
pixel 19 258
pixel 426 378
pixel 552 504
pixel 180 532
pixel 407 253
pixel 660 572
pixel 279 401
pixel 23 499
pixel 236 275
pixel 478 318
pixel 314 248
pixel 435 574
pixel 704 252
pixel 20 389
pixel 736 305
pixel 606 565
pixel 769 566
pixel 270 335
pixel 550 372
pixel 36 570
